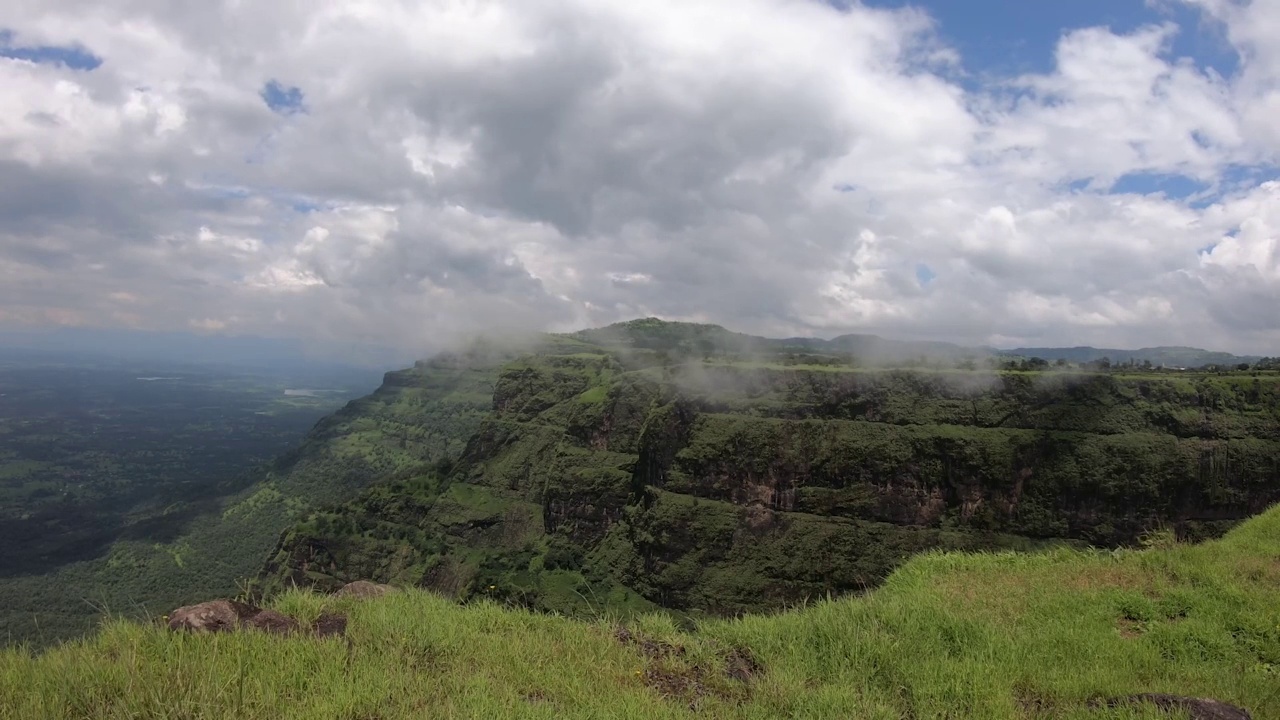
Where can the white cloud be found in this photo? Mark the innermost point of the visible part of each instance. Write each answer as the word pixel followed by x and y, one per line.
pixel 1117 105
pixel 1252 247
pixel 496 164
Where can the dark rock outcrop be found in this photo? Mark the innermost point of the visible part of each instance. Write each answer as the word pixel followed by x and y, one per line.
pixel 212 616
pixel 232 615
pixel 1195 708
pixel 272 622
pixel 330 625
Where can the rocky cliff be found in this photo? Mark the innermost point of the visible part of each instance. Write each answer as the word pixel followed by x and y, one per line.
pixel 704 471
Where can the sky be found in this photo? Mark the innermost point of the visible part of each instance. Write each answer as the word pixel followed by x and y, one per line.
pixel 352 173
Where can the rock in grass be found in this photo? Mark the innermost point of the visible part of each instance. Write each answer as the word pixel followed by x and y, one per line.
pixel 272 622
pixel 1196 708
pixel 229 615
pixel 741 665
pixel 363 589
pixel 329 625
pixel 212 616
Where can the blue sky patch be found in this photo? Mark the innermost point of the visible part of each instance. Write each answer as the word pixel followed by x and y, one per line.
pixel 1015 37
pixel 1172 185
pixel 1213 245
pixel 71 56
pixel 1249 176
pixel 925 275
pixel 222 191
pixel 283 99
pixel 305 206
pixel 281 197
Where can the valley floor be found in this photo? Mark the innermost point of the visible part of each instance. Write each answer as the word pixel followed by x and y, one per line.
pixel 1050 635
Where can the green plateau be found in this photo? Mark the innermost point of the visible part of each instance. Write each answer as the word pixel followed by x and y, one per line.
pixel 683 467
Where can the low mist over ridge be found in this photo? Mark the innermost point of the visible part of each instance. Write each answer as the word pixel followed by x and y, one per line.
pixel 650 332
pixel 656 334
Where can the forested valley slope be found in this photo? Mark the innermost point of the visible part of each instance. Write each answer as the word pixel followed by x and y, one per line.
pixel 115 475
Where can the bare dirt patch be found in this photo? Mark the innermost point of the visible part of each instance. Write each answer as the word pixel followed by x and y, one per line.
pixel 1129 629
pixel 1195 708
pixel 670 671
pixel 1107 578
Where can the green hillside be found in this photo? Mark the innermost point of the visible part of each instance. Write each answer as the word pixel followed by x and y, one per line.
pixel 1062 634
pixel 681 466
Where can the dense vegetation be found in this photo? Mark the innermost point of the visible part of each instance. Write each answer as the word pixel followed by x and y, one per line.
pixel 1061 634
pixel 111 470
pixel 686 467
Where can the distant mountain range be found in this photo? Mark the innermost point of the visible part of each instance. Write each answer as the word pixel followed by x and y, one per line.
pixel 1167 356
pixel 654 334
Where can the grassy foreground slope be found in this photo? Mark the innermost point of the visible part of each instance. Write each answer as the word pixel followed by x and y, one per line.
pixel 949 635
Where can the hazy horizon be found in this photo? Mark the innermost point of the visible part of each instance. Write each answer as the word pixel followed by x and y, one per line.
pixel 259 351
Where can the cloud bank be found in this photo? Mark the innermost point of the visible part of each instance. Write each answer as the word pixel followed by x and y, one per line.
pixel 408 172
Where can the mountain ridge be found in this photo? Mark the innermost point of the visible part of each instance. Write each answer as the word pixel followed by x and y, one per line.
pixel 1162 355
pixel 683 466
pixel 880 348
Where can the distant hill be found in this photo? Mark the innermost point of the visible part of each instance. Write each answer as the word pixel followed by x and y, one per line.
pixel 874 346
pixel 692 338
pixel 1166 356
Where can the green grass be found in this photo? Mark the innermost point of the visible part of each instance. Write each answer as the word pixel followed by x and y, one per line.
pixel 594 395
pixel 949 635
pixel 17 469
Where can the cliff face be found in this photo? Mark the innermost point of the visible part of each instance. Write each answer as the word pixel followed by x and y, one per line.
pixel 695 470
